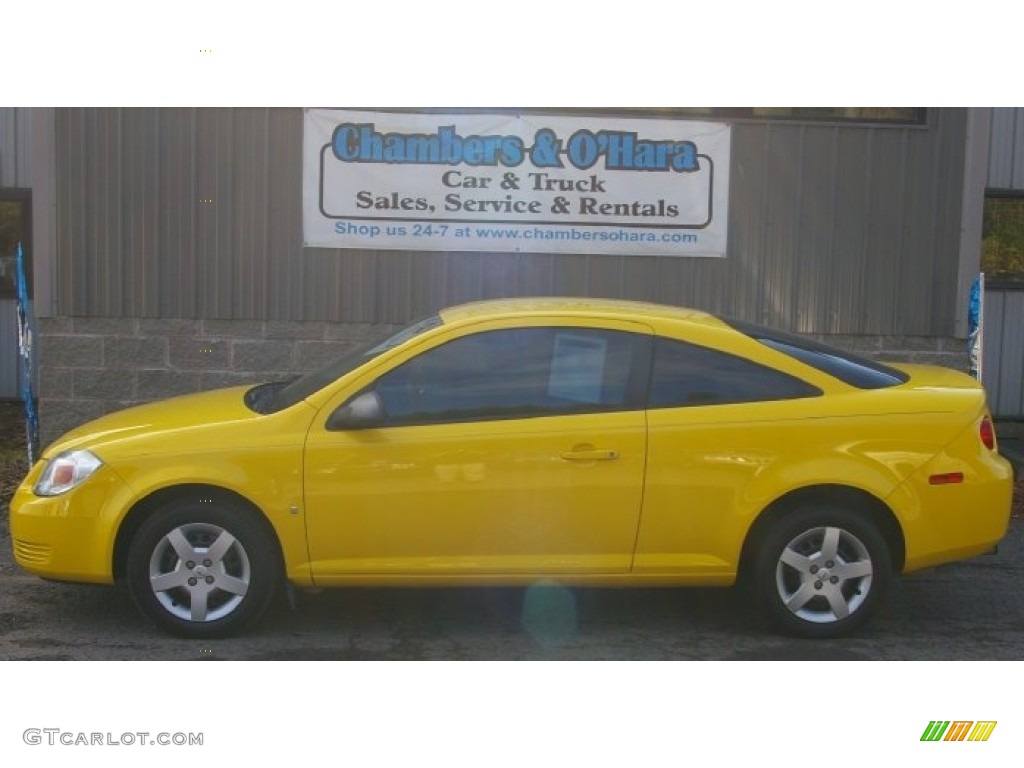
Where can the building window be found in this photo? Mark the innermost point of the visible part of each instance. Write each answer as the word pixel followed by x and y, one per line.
pixel 13 230
pixel 901 115
pixel 870 115
pixel 1002 243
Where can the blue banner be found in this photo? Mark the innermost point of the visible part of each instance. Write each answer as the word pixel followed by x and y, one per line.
pixel 25 350
pixel 974 325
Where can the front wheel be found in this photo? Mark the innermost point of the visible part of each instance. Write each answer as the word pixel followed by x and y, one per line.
pixel 820 571
pixel 202 568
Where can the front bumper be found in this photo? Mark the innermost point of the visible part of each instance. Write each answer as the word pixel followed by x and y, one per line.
pixel 69 537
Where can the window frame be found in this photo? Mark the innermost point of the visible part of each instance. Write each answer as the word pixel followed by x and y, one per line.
pixel 1007 280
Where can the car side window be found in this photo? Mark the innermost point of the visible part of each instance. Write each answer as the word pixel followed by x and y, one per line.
pixel 691 375
pixel 514 373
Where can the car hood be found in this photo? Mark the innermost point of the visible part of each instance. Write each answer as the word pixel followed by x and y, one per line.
pixel 206 410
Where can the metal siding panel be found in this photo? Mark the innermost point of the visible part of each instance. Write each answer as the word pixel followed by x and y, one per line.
pixel 746 222
pixel 1011 371
pixel 107 192
pixel 674 280
pixel 571 275
pixel 465 277
pixel 8 146
pixel 1006 149
pixel 1015 351
pixel 251 209
pixel 214 210
pixel 1001 147
pixel 949 163
pixel 217 159
pixel 98 186
pixel 992 347
pixel 814 230
pixel 23 160
pixel 323 298
pixel 849 241
pixel 286 262
pixel 800 254
pixel 10 360
pixel 75 257
pixel 140 184
pixel 779 232
pixel 178 201
pixel 16 137
pixel 887 166
pixel 711 284
pixel 917 267
pixel 357 287
pixel 1017 165
pixel 428 276
pixel 640 277
pixel 536 274
pixel 500 276
pixel 605 275
pixel 394 285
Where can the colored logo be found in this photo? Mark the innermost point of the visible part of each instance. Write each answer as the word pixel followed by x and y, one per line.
pixel 958 730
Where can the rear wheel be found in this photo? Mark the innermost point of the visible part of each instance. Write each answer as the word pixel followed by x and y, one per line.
pixel 202 568
pixel 821 571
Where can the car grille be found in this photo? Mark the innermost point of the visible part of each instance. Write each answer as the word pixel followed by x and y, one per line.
pixel 30 552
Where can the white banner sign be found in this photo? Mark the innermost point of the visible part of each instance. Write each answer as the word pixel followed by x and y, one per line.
pixel 534 183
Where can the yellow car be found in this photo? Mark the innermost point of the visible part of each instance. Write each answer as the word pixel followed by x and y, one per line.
pixel 589 442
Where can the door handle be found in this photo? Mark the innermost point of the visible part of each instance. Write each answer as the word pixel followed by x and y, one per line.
pixel 591 455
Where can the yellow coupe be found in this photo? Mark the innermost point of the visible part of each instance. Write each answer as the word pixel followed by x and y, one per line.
pixel 588 442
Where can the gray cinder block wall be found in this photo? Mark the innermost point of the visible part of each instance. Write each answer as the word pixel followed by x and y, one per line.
pixel 92 366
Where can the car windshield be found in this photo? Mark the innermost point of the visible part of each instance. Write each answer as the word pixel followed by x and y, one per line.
pixel 276 396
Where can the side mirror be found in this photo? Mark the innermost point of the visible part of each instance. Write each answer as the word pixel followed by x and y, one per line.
pixel 364 411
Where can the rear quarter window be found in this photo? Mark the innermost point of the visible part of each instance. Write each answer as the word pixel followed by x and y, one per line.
pixel 687 375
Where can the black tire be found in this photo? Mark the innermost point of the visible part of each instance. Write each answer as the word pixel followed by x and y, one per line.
pixel 820 571
pixel 202 568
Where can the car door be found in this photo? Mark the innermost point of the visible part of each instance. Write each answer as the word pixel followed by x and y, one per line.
pixel 715 422
pixel 502 452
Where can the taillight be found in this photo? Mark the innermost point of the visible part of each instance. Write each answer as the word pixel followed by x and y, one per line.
pixel 987 433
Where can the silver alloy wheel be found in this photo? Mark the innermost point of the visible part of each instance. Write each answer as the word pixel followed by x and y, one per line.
pixel 199 572
pixel 824 574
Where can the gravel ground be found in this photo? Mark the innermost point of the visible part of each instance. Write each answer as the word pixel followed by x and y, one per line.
pixel 13 461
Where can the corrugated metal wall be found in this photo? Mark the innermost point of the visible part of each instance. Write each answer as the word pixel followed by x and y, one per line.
pixel 1003 352
pixel 10 361
pixel 15 158
pixel 15 172
pixel 1006 149
pixel 833 229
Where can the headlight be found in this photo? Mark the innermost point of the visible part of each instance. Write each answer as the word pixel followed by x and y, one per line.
pixel 65 471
